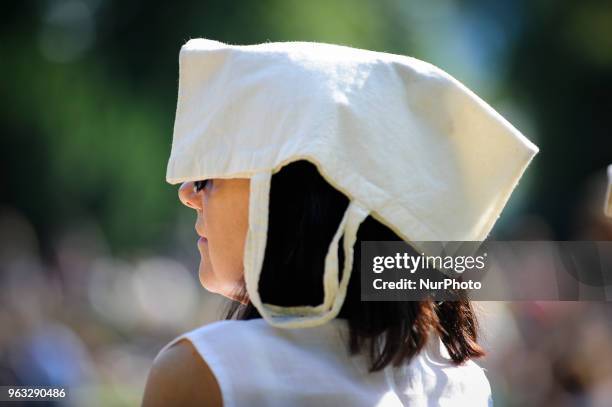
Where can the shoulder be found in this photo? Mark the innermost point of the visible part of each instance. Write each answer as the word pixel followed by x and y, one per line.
pixel 440 378
pixel 180 377
pixel 470 381
pixel 192 369
pixel 476 375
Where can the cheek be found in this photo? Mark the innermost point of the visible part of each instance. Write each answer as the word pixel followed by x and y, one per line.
pixel 215 274
pixel 226 234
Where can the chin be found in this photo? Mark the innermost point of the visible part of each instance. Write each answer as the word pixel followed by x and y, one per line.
pixel 204 283
pixel 207 278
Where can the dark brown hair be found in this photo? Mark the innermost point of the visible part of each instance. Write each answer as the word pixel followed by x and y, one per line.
pixel 304 213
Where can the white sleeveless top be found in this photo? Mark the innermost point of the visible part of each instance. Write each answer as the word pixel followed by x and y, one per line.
pixel 257 364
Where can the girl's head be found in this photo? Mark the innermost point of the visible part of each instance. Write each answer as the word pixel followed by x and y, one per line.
pixel 304 214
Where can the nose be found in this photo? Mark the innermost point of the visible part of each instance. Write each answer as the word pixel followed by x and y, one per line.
pixel 188 196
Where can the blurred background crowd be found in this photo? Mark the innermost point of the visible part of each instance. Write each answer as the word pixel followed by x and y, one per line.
pixel 98 262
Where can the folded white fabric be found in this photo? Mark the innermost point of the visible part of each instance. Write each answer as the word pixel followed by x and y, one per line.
pixel 405 141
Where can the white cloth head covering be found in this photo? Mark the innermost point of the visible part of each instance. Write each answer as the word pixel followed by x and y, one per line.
pixel 406 143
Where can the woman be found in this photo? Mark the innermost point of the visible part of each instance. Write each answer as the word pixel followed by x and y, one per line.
pixel 292 154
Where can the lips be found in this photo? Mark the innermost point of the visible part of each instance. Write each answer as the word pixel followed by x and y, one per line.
pixel 199 233
pixel 202 238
